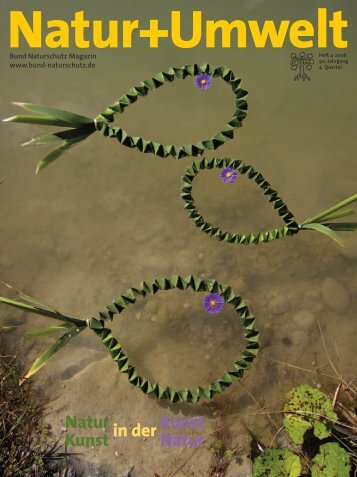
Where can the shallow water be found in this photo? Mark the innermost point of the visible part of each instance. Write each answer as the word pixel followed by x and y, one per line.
pixel 104 218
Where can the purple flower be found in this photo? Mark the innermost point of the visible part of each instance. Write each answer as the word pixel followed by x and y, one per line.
pixel 229 175
pixel 213 303
pixel 203 81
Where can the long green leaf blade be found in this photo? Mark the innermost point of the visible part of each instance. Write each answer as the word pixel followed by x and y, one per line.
pixel 44 121
pixel 55 137
pixel 29 298
pixel 324 230
pixel 343 226
pixel 51 351
pixel 338 215
pixel 48 329
pixel 65 116
pixel 56 153
pixel 42 312
pixel 329 211
pixel 26 307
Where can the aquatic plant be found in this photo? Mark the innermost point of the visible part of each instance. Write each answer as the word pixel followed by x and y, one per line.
pixel 277 463
pixel 74 326
pixel 323 223
pixel 341 431
pixel 308 408
pixel 81 127
pixel 331 461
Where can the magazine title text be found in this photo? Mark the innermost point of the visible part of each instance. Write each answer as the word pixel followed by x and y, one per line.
pixel 35 32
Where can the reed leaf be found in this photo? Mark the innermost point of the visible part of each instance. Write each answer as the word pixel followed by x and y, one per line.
pixel 48 329
pixel 66 116
pixel 343 226
pixel 339 214
pixel 56 153
pixel 29 298
pixel 58 136
pixel 40 311
pixel 51 351
pixel 326 213
pixel 324 230
pixel 44 121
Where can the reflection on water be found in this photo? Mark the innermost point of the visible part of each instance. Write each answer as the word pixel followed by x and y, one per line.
pixel 104 218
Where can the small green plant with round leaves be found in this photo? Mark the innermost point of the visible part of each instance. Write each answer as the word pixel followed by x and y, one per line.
pixel 331 461
pixel 308 408
pixel 277 463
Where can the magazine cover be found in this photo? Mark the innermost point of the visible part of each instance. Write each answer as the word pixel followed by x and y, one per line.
pixel 178 238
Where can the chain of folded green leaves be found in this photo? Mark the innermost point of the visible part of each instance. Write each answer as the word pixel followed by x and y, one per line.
pixel 82 127
pixel 73 327
pixel 322 222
